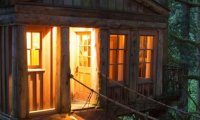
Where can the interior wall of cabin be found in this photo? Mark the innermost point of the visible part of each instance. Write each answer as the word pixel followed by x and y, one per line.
pixel 75 61
pixel 42 80
pixel 5 69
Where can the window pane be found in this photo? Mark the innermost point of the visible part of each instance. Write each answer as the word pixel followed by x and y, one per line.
pixel 142 70
pixel 111 72
pixel 28 38
pixel 148 70
pixel 86 39
pixel 89 61
pixel 142 56
pixel 148 56
pixel 113 57
pixel 84 61
pixel 121 56
pixel 35 57
pixel 36 40
pixel 113 41
pixel 145 56
pixel 28 57
pixel 121 41
pixel 142 42
pixel 89 51
pixel 83 51
pixel 150 42
pixel 120 72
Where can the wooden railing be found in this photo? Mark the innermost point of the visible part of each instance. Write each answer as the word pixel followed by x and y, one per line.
pixel 118 93
pixel 35 83
pixel 172 77
pixel 145 88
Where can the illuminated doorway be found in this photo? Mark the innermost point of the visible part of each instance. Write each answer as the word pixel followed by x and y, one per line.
pixel 84 66
pixel 41 49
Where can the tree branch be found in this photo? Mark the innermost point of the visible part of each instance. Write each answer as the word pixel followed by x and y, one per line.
pixel 186 41
pixel 195 77
pixel 189 3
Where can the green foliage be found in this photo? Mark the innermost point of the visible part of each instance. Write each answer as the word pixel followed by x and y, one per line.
pixel 178 26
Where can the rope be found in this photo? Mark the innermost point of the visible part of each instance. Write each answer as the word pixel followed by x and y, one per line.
pixel 150 99
pixel 113 101
pixel 88 100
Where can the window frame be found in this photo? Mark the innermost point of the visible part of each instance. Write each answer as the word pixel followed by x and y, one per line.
pixel 145 52
pixel 154 56
pixel 117 62
pixel 40 51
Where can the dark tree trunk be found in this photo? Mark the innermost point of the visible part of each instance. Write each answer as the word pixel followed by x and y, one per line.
pixel 184 52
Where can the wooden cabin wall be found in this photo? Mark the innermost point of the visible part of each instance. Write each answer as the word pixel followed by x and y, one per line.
pixel 113 5
pixel 5 2
pixel 5 69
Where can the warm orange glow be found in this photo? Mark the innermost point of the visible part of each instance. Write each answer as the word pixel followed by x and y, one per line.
pixel 145 56
pixel 116 57
pixel 33 48
pixel 45 110
pixel 83 61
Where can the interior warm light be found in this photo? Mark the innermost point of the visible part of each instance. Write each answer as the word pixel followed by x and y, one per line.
pixel 45 110
pixel 116 57
pixel 33 48
pixel 83 61
pixel 145 56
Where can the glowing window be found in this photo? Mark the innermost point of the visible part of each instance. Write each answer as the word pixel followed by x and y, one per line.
pixel 33 49
pixel 84 49
pixel 145 57
pixel 116 57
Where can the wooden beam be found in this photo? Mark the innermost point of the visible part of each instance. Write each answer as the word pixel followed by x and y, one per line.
pixel 3 69
pixel 134 64
pixel 7 19
pixel 19 70
pixel 154 6
pixel 1 35
pixel 7 56
pixel 88 13
pixel 64 101
pixel 159 62
pixel 104 39
pixel 84 22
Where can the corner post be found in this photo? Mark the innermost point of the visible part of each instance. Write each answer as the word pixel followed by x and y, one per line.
pixel 19 71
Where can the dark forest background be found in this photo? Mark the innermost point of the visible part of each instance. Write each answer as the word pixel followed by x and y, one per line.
pixel 184 51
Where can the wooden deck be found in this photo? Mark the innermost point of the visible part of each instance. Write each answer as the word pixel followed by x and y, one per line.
pixel 90 114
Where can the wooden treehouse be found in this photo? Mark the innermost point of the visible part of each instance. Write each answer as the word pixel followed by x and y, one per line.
pixel 98 41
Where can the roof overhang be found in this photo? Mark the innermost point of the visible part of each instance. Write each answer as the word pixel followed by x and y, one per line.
pixel 153 5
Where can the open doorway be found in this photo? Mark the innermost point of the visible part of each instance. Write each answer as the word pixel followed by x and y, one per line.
pixel 84 59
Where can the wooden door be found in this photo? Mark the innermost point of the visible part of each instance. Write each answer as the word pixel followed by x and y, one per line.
pixel 83 67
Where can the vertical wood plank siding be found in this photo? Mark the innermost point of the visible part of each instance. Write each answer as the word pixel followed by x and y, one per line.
pixel 118 5
pixel 5 69
pixel 1 97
